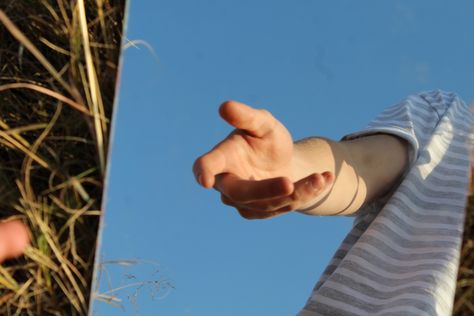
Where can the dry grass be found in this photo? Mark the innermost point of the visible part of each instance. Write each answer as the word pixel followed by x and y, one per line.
pixel 58 68
pixel 464 301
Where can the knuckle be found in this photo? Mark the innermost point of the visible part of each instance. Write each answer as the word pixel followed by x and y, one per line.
pixel 267 118
pixel 201 164
pixel 203 160
pixel 197 164
pixel 266 113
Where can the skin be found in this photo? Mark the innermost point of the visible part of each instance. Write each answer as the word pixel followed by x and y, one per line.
pixel 14 239
pixel 262 173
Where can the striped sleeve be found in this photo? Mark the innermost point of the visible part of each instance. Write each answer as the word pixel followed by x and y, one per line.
pixel 413 119
pixel 402 256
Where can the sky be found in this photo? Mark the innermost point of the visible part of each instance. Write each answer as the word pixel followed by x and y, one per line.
pixel 323 68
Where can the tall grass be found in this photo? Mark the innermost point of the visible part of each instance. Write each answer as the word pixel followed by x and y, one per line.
pixel 464 300
pixel 58 68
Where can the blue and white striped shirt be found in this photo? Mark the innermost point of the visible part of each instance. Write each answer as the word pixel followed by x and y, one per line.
pixel 401 256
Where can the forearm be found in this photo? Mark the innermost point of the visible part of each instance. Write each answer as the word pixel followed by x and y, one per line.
pixel 348 191
pixel 364 169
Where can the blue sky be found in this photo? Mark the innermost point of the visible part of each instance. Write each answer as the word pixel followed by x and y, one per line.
pixel 322 67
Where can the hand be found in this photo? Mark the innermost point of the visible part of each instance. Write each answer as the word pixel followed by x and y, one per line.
pixel 255 167
pixel 14 239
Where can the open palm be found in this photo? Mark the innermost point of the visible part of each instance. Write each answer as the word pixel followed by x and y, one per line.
pixel 259 148
pixel 252 167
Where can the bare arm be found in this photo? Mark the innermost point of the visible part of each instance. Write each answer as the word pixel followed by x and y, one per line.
pixel 364 169
pixel 261 173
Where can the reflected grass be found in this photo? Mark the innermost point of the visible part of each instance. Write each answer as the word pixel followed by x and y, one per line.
pixel 58 69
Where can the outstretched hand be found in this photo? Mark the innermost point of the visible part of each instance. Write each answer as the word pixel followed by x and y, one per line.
pixel 255 167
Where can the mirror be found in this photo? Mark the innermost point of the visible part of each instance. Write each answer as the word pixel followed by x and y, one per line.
pixel 322 68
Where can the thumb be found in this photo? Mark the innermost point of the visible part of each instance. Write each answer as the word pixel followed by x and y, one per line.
pixel 256 122
pixel 14 239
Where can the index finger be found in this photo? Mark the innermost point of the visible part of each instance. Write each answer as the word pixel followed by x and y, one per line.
pixel 256 122
pixel 207 166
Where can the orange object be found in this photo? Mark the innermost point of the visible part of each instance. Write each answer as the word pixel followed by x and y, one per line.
pixel 14 238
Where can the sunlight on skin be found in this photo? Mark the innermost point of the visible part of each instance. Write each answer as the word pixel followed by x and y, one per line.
pixel 253 168
pixel 260 171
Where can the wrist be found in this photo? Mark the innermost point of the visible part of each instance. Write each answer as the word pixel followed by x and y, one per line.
pixel 312 155
pixel 344 193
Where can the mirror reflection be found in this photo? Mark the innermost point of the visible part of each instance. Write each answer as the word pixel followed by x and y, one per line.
pixel 322 69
